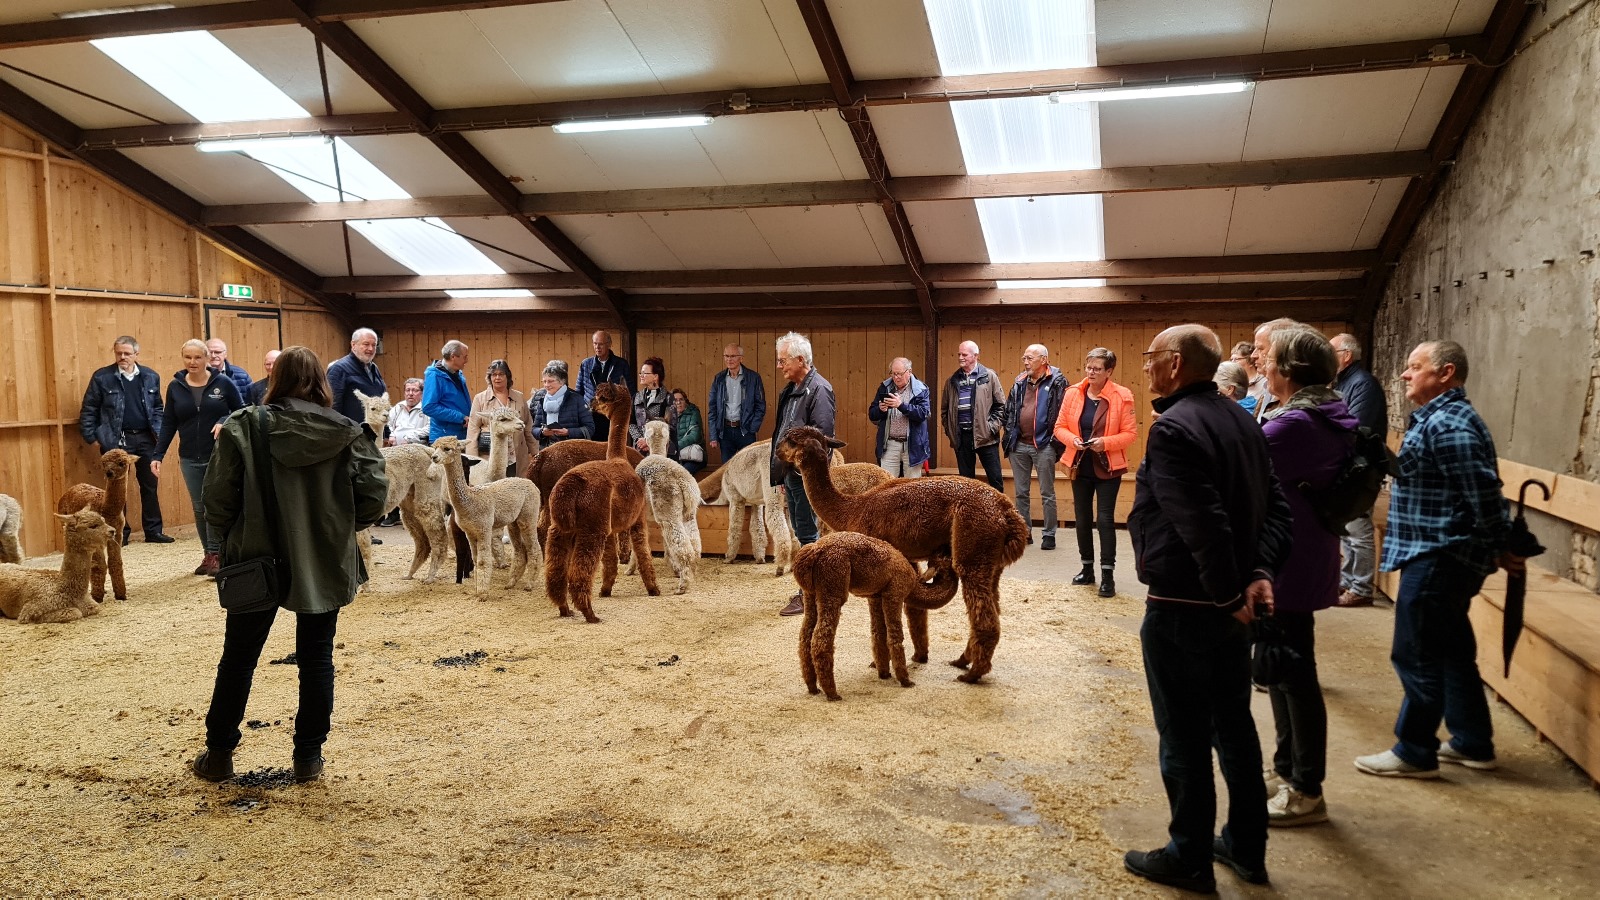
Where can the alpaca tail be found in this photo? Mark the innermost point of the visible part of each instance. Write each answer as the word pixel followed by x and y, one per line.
pixel 711 486
pixel 941 590
pixel 1016 536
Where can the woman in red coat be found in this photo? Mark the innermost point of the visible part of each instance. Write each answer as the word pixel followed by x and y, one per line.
pixel 1097 425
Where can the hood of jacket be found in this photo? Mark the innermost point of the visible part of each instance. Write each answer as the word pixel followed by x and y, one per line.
pixel 916 387
pixel 305 434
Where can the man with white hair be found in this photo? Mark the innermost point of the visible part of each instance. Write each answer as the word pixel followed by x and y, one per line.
pixel 1030 442
pixel 806 400
pixel 1365 397
pixel 355 371
pixel 974 409
pixel 217 353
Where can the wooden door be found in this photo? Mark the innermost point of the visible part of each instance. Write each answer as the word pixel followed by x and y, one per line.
pixel 249 334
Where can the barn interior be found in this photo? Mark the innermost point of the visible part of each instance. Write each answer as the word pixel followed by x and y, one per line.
pixel 890 178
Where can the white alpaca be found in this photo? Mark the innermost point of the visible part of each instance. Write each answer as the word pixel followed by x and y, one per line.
pixel 10 524
pixel 742 486
pixel 37 595
pixel 504 424
pixel 672 499
pixel 481 511
pixel 416 485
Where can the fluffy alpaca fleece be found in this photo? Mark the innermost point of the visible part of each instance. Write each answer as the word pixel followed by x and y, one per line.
pixel 111 502
pixel 549 464
pixel 592 507
pixel 855 478
pixel 672 499
pixel 481 511
pixel 741 485
pixel 36 595
pixel 844 563
pixel 10 526
pixel 416 485
pixel 972 522
pixel 503 426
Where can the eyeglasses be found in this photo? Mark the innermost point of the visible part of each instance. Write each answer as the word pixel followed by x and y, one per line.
pixel 732 356
pixel 1151 354
pixel 1092 371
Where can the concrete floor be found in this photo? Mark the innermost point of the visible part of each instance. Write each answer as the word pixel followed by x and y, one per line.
pixel 1529 829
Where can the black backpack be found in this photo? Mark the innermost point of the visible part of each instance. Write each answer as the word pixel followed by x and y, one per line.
pixel 1352 493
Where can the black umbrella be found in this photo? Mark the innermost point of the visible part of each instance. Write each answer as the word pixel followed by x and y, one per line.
pixel 1522 543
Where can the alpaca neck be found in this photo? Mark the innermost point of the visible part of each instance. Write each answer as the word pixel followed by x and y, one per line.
pixel 618 416
pixel 824 497
pixel 456 480
pixel 116 497
pixel 499 449
pixel 76 563
pixel 658 445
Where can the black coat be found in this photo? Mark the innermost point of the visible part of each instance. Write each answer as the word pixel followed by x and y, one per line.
pixel 808 403
pixel 193 424
pixel 1208 516
pixel 100 418
pixel 1365 397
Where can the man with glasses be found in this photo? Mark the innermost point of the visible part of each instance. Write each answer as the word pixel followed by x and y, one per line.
pixel 1030 417
pixel 603 366
pixel 737 405
pixel 1244 355
pixel 901 407
pixel 806 400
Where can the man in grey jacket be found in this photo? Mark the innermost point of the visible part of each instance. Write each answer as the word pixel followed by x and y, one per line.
pixel 974 408
pixel 807 399
pixel 1365 397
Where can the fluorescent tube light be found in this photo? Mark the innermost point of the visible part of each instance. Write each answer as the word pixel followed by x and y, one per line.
pixel 247 145
pixel 1101 95
pixel 113 10
pixel 1050 283
pixel 631 124
pixel 490 293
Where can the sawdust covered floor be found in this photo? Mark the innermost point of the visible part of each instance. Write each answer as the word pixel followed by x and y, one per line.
pixel 670 749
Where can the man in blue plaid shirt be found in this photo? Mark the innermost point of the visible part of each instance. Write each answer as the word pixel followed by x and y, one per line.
pixel 1448 524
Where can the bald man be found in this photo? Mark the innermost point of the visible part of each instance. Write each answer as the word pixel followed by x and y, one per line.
pixel 258 389
pixel 603 366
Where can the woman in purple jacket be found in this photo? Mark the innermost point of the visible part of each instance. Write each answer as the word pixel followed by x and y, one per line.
pixel 1310 438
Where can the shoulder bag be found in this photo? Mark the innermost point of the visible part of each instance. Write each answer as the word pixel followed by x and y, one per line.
pixel 258 584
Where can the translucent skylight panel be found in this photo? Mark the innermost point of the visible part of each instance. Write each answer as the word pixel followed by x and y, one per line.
pixel 1027 134
pixel 975 37
pixel 202 76
pixel 492 293
pixel 1050 283
pixel 1043 229
pixel 426 246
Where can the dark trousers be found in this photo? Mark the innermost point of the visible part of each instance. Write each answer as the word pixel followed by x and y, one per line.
pixel 602 430
pixel 1300 716
pixel 1094 505
pixel 1436 656
pixel 241 649
pixel 1197 664
pixel 731 441
pixel 967 457
pixel 142 444
pixel 801 514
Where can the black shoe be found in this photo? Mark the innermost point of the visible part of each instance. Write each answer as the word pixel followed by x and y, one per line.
pixel 126 533
pixel 1108 587
pixel 376 542
pixel 307 769
pixel 1252 874
pixel 157 538
pixel 1030 535
pixel 214 765
pixel 390 520
pixel 1048 542
pixel 1161 868
pixel 1086 576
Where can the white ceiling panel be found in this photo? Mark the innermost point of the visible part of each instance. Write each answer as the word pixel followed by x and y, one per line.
pixel 948 231
pixel 85 68
pixel 39 10
pixel 287 56
pixel 713 239
pixel 1174 130
pixel 1380 212
pixel 919 139
pixel 320 248
pixel 511 246
pixel 539 160
pixel 623 242
pixel 415 164
pixel 698 45
pixel 216 178
pixel 885 38
pixel 1365 112
pixel 1167 223
pixel 1299 218
pixel 797 146
pixel 1437 89
pixel 824 236
pixel 1129 31
pixel 1340 23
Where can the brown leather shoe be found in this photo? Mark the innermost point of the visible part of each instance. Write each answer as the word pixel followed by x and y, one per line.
pixel 796 605
pixel 211 564
pixel 1350 599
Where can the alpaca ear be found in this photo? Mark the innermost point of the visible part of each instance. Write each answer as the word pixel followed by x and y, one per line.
pixel 362 397
pixel 470 461
pixel 65 517
pixel 386 396
pixel 835 443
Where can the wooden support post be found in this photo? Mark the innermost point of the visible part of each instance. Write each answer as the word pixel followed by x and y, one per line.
pixel 58 444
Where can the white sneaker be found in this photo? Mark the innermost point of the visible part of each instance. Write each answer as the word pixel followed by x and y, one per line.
pixel 1290 808
pixel 1388 765
pixel 1275 782
pixel 1449 754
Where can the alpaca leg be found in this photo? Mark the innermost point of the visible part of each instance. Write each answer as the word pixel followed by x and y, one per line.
pixel 782 542
pixel 119 585
pixel 586 553
pixel 50 609
pixel 499 549
pixel 647 566
pixel 98 569
pixel 808 627
pixel 544 526
pixel 983 618
pixel 558 553
pixel 528 524
pixel 483 570
pixel 519 556
pixel 10 548
pixel 917 624
pixel 608 577
pixel 736 532
pixel 822 640
pixel 897 640
pixel 419 540
pixel 677 544
pixel 880 635
pixel 437 528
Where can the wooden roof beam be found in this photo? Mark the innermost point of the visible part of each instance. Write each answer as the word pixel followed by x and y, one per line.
pixel 1348 288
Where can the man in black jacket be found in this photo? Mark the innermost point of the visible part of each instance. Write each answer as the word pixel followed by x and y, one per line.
pixel 1029 441
pixel 806 400
pixel 1210 526
pixel 1365 397
pixel 122 408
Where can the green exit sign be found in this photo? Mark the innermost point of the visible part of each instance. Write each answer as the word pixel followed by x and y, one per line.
pixel 238 291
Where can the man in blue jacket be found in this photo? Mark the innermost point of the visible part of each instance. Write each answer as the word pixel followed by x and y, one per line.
pixel 603 366
pixel 1365 397
pixel 1029 440
pixel 123 408
pixel 355 371
pixel 445 397
pixel 901 407
pixel 217 351
pixel 737 405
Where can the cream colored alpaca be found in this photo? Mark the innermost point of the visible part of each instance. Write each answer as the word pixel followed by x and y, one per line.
pixel 741 485
pixel 481 510
pixel 10 525
pixel 672 499
pixel 504 424
pixel 416 485
pixel 37 595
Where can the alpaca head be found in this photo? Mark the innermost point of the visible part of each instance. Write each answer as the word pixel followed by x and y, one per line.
pixel 84 527
pixel 376 410
pixel 451 449
pixel 656 434
pixel 505 422
pixel 116 463
pixel 806 442
pixel 940 566
pixel 609 398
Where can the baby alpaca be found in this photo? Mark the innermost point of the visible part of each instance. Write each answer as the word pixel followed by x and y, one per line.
pixel 36 595
pixel 844 563
pixel 481 511
pixel 673 500
pixel 10 525
pixel 111 502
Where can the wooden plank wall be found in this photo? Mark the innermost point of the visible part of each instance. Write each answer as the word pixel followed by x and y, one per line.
pixel 83 261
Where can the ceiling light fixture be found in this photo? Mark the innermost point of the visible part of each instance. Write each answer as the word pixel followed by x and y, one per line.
pixel 113 10
pixel 245 145
pixel 582 127
pixel 1100 95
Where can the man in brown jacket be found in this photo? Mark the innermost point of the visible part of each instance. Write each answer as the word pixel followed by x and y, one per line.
pixel 974 407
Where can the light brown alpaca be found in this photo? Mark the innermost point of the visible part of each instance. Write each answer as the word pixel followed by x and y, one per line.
pixel 591 507
pixel 417 487
pixel 111 502
pixel 504 424
pixel 974 523
pixel 36 595
pixel 10 526
pixel 482 510
pixel 845 563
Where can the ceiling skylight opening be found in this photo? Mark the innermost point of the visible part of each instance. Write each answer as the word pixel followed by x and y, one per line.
pixel 1011 35
pixel 1050 283
pixel 200 74
pixel 246 145
pixel 592 125
pixel 1027 134
pixel 1197 89
pixel 1067 228
pixel 490 293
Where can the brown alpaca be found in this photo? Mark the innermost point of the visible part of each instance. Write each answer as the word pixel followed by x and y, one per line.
pixel 920 517
pixel 554 461
pixel 591 507
pixel 845 563
pixel 10 529
pixel 482 510
pixel 850 479
pixel 111 502
pixel 35 595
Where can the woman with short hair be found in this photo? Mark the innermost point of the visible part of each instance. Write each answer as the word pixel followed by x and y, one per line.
pixel 199 400
pixel 650 404
pixel 1097 424
pixel 559 413
pixel 498 395
pixel 1233 382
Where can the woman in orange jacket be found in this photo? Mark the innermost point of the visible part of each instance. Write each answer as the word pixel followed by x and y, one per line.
pixel 1097 424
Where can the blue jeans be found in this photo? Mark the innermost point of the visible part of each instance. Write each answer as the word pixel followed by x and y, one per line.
pixel 1197 663
pixel 194 478
pixel 800 512
pixel 1025 461
pixel 731 441
pixel 1436 656
pixel 242 641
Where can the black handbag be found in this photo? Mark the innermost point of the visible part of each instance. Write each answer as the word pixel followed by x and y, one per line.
pixel 1271 660
pixel 258 584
